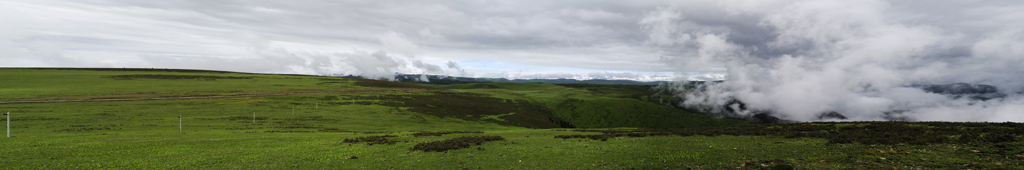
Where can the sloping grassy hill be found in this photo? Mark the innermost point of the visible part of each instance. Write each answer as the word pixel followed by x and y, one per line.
pixel 337 103
pixel 532 105
pixel 596 106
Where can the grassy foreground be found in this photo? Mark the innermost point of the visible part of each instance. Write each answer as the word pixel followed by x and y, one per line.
pixel 302 122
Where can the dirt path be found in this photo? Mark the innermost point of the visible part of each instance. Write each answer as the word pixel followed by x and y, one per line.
pixel 215 97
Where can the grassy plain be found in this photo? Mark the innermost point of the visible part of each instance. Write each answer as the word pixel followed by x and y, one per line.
pixel 304 119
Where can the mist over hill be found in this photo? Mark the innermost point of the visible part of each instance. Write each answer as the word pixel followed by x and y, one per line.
pixel 866 61
pixel 692 96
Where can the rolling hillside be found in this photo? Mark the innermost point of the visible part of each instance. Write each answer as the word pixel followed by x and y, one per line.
pixel 194 119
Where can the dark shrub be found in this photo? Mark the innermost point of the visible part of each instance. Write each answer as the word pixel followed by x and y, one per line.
pixel 454 143
pixel 418 134
pixel 371 140
pixel 917 133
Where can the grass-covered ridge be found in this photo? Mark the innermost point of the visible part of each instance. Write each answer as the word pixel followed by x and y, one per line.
pixel 265 121
pixel 596 106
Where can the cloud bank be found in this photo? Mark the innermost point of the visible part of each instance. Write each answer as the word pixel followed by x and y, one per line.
pixel 800 59
pixel 310 37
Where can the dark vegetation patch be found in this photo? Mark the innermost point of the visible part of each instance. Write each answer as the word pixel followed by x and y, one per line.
pixel 774 164
pixel 330 98
pixel 333 130
pixel 418 134
pixel 86 128
pixel 387 84
pixel 454 143
pixel 173 77
pixel 640 92
pixel 371 140
pixel 287 131
pixel 236 118
pixel 331 82
pixel 562 123
pixel 373 132
pixel 349 131
pixel 604 112
pixel 482 86
pixel 306 118
pixel 352 103
pixel 299 126
pixel 472 107
pixel 82 129
pixel 242 128
pixel 888 133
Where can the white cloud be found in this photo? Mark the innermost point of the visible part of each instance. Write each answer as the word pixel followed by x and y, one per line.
pixel 662 27
pixel 118 33
pixel 10 32
pixel 427 67
pixel 850 57
pixel 394 41
pixel 426 33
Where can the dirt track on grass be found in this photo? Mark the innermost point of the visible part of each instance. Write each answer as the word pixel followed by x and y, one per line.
pixel 216 96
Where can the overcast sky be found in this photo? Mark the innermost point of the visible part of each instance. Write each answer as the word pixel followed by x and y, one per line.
pixel 550 39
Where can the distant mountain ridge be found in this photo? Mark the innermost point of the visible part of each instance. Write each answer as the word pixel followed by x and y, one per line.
pixel 445 80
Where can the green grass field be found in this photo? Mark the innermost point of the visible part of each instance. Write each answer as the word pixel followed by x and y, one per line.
pixel 301 122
